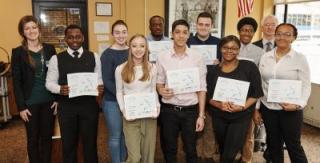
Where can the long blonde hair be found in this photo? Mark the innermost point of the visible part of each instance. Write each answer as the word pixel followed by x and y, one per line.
pixel 128 71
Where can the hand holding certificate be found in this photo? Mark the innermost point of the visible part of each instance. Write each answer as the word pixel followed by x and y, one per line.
pixel 82 84
pixel 208 52
pixel 158 47
pixel 142 105
pixel 284 91
pixel 184 80
pixel 231 90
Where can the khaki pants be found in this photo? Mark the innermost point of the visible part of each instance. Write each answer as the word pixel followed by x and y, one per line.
pixel 140 138
pixel 247 150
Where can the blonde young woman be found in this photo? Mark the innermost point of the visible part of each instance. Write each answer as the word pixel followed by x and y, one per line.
pixel 138 75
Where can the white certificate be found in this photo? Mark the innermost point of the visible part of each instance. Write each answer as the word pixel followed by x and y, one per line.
pixel 158 47
pixel 82 84
pixel 288 91
pixel 208 52
pixel 140 105
pixel 231 90
pixel 184 80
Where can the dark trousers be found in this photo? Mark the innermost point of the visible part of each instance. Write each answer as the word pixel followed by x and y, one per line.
pixel 79 120
pixel 39 132
pixel 172 122
pixel 231 135
pixel 282 126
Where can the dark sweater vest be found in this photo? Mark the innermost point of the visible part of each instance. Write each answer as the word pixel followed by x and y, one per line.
pixel 67 64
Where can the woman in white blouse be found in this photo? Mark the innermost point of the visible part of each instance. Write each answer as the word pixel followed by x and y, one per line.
pixel 135 77
pixel 283 121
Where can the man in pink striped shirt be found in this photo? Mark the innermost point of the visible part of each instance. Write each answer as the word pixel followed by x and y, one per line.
pixel 181 111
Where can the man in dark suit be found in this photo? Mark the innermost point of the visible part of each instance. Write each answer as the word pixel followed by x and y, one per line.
pixel 268 25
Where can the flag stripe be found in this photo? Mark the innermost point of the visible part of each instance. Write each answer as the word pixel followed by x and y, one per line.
pixel 245 7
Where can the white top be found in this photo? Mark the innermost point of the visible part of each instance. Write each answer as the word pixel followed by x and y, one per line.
pixel 292 66
pixel 135 86
pixel 250 52
pixel 53 71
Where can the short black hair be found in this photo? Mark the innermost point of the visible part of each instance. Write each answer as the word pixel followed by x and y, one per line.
pixel 156 16
pixel 205 15
pixel 228 39
pixel 295 30
pixel 180 22
pixel 73 26
pixel 247 21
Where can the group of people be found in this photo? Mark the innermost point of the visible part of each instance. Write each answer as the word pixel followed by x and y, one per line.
pixel 41 90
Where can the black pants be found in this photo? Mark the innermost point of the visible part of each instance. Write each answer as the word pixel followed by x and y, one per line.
pixel 39 132
pixel 172 122
pixel 282 126
pixel 231 135
pixel 79 118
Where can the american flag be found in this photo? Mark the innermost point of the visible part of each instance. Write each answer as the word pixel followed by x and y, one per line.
pixel 244 7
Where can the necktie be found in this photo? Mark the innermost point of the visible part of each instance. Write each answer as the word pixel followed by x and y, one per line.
pixel 76 54
pixel 268 48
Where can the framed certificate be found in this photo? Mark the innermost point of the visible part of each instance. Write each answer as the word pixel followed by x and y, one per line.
pixel 103 9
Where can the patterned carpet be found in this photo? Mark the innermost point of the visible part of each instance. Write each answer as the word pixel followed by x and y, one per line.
pixel 13 144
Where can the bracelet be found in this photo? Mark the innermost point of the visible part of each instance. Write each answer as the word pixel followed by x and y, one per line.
pixel 202 116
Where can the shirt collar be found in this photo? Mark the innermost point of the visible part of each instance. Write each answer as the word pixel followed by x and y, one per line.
pixel 173 52
pixel 70 51
pixel 272 53
pixel 264 41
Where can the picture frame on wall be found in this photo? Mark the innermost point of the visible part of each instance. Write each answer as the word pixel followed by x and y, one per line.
pixel 103 9
pixel 190 9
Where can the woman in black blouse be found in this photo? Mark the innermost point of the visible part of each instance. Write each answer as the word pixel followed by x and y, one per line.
pixel 33 100
pixel 231 121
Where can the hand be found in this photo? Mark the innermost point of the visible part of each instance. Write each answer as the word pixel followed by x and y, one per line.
pixel 24 115
pixel 64 90
pixel 257 117
pixel 156 113
pixel 225 106
pixel 199 124
pixel 166 93
pixel 289 107
pixel 235 108
pixel 54 106
pixel 216 61
pixel 100 89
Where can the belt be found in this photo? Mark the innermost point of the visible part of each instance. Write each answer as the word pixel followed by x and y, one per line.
pixel 179 108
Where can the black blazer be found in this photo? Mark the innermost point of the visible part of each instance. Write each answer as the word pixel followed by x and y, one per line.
pixel 260 44
pixel 23 74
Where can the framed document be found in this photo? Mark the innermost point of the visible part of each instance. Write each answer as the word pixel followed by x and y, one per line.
pixel 288 91
pixel 158 47
pixel 184 80
pixel 103 9
pixel 208 52
pixel 231 90
pixel 82 84
pixel 140 105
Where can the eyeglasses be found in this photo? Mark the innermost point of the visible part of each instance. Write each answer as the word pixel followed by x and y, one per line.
pixel 232 49
pixel 269 25
pixel 284 34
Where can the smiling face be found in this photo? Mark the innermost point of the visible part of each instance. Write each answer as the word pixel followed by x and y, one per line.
pixel 156 27
pixel 138 47
pixel 120 34
pixel 180 35
pixel 284 36
pixel 246 33
pixel 31 31
pixel 74 38
pixel 229 51
pixel 269 26
pixel 204 26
